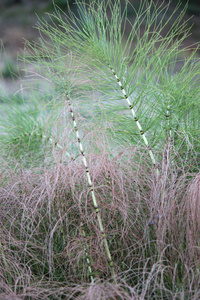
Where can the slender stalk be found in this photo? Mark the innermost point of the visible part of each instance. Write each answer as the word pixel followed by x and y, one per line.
pixel 95 203
pixel 82 224
pixel 86 253
pixel 3 256
pixel 167 118
pixel 142 133
pixel 5 262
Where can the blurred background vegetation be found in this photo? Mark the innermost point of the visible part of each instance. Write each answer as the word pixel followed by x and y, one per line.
pixel 18 19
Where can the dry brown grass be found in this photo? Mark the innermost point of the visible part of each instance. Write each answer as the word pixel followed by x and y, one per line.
pixel 152 226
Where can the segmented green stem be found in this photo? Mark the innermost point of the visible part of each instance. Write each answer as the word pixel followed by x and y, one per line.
pixel 142 133
pixel 5 262
pixel 3 256
pixel 86 253
pixel 95 204
pixel 167 117
pixel 82 225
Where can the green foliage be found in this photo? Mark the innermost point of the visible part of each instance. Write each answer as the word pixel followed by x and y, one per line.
pixel 144 66
pixel 22 132
pixel 120 195
pixel 9 70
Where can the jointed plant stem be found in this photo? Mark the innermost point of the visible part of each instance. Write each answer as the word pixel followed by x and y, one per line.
pixel 5 262
pixel 86 253
pixel 3 256
pixel 142 133
pixel 96 208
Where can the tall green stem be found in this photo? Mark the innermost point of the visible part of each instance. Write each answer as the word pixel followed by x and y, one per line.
pixel 95 203
pixel 5 263
pixel 86 253
pixel 142 133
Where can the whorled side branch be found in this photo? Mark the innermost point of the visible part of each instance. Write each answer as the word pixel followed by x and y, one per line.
pixel 95 204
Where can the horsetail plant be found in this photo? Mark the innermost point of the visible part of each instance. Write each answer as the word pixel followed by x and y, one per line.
pixel 5 262
pixel 95 203
pixel 138 65
pixel 86 253
pixel 136 120
pixel 108 69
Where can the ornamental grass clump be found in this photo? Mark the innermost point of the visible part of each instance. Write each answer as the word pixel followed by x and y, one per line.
pixel 109 207
pixel 45 248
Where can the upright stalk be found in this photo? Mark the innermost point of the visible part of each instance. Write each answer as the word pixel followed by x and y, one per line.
pixel 5 262
pixel 86 253
pixel 142 133
pixel 3 256
pixel 95 203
